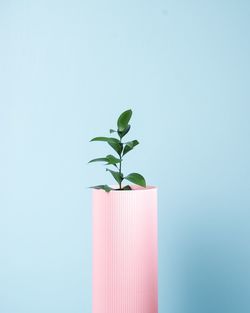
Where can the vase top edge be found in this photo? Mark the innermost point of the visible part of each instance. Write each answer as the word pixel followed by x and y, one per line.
pixel 135 188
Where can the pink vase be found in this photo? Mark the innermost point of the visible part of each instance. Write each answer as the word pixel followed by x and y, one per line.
pixel 125 251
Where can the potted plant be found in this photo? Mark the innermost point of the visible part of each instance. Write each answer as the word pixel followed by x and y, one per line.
pixel 124 234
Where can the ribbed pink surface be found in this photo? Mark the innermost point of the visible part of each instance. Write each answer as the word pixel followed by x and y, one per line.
pixel 125 251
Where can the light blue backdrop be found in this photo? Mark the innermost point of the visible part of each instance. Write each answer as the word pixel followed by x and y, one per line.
pixel 67 69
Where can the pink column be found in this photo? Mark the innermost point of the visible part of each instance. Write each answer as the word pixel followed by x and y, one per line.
pixel 125 251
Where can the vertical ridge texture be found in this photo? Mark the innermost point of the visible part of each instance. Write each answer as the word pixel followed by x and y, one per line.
pixel 125 251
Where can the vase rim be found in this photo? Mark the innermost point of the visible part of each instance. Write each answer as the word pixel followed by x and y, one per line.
pixel 135 188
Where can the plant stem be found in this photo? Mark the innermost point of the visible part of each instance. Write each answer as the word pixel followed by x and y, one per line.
pixel 120 168
pixel 120 172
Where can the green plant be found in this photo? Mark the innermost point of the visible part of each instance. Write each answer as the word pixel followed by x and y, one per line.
pixel 121 148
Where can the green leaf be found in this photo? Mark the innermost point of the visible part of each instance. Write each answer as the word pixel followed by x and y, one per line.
pixel 127 188
pixel 116 175
pixel 123 133
pixel 110 159
pixel 103 187
pixel 130 145
pixel 113 142
pixel 106 139
pixel 112 131
pixel 123 120
pixel 117 146
pixel 137 179
pixel 98 160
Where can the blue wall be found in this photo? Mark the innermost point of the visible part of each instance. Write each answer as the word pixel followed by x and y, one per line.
pixel 67 69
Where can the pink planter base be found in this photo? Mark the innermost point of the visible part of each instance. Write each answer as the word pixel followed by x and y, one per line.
pixel 125 251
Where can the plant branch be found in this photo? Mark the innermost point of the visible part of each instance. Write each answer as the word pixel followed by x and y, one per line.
pixel 120 172
pixel 120 167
